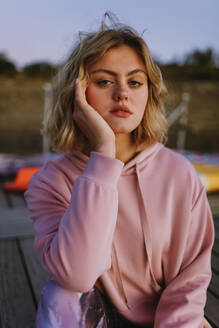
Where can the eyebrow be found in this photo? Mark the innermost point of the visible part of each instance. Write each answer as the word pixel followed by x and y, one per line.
pixel 114 74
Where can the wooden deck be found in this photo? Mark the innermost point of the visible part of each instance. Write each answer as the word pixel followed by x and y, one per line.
pixel 22 278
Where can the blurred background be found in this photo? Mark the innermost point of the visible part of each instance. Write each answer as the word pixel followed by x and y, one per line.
pixel 36 37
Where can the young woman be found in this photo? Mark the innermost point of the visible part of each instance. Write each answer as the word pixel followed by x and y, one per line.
pixel 122 223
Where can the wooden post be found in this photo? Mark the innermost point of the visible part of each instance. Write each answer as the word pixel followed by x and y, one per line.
pixel 47 96
pixel 180 113
pixel 181 137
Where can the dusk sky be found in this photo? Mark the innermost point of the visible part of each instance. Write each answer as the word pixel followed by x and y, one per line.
pixel 46 29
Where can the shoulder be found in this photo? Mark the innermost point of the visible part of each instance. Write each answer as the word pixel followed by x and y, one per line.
pixel 180 171
pixel 176 162
pixel 53 174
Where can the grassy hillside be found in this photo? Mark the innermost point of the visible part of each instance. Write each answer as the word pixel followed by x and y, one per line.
pixel 21 112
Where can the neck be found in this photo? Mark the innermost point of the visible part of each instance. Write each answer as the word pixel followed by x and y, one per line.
pixel 125 149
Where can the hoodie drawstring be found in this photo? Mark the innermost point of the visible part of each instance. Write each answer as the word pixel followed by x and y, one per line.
pixel 118 276
pixel 147 241
pixel 145 227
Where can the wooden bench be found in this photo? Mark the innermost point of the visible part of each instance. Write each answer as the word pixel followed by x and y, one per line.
pixel 212 305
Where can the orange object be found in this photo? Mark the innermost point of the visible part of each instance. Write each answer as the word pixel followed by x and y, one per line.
pixel 22 179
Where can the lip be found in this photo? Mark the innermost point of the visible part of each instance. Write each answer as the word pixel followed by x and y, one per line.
pixel 125 109
pixel 121 114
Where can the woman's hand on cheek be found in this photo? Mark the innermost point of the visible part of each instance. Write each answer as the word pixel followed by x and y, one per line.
pixel 91 123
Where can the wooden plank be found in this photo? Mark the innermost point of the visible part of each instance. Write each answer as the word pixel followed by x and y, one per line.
pixel 214 284
pixel 17 308
pixel 212 305
pixel 216 245
pixel 214 202
pixel 38 276
pixel 211 309
pixel 215 262
pixel 15 223
pixel 216 225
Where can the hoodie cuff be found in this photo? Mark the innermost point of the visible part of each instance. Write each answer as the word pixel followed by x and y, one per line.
pixel 103 169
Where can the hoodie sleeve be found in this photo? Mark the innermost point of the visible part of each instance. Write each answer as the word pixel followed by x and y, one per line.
pixel 182 302
pixel 73 239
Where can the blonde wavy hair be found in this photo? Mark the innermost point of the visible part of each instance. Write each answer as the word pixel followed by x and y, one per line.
pixel 59 127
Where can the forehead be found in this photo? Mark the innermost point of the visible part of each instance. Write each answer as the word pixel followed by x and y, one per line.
pixel 123 58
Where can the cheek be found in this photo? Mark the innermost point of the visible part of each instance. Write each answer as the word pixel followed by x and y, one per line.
pixel 145 95
pixel 93 98
pixel 96 98
pixel 89 95
pixel 141 101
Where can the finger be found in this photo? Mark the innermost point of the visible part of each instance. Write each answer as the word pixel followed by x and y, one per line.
pixel 78 95
pixel 82 88
pixel 79 91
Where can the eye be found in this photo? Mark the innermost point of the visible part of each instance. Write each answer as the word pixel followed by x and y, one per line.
pixel 135 83
pixel 103 82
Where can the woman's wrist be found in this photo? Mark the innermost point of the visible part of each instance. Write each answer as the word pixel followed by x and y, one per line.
pixel 109 150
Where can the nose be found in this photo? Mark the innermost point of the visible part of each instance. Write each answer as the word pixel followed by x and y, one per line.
pixel 120 93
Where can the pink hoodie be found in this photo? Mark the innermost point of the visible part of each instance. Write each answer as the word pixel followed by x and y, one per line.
pixel 142 232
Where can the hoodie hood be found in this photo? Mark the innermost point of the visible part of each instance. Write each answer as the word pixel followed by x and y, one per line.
pixel 140 160
pixel 134 166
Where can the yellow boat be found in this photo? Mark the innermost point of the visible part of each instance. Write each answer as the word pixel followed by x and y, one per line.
pixel 209 175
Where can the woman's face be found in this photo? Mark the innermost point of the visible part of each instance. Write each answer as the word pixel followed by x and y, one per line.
pixel 119 79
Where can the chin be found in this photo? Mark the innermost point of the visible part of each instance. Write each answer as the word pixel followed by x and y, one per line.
pixel 123 128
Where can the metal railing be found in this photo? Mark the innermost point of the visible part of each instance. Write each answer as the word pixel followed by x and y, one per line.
pixel 47 87
pixel 180 113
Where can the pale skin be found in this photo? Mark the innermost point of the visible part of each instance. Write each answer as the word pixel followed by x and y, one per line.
pixel 118 78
